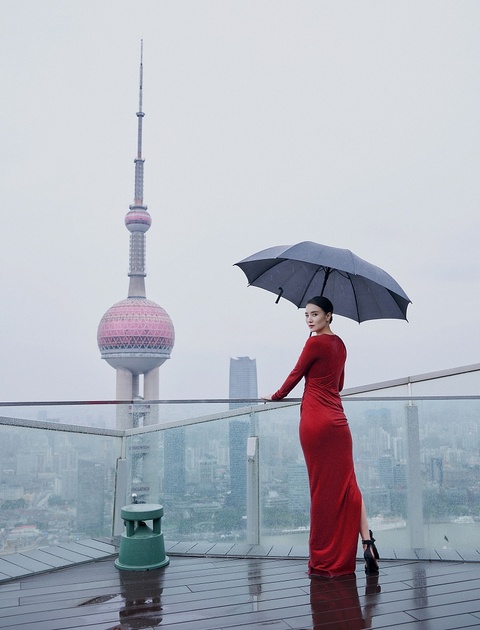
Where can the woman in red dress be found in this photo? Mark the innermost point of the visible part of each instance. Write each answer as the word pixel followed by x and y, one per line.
pixel 337 512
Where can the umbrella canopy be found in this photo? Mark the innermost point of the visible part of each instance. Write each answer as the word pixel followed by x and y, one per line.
pixel 357 289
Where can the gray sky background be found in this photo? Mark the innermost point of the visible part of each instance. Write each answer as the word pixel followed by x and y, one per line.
pixel 353 124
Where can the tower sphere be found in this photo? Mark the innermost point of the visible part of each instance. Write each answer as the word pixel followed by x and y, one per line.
pixel 136 334
pixel 138 219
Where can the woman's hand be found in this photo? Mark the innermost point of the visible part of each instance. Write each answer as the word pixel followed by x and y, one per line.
pixel 267 397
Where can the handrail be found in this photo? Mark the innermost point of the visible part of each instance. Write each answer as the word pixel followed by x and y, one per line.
pixel 347 395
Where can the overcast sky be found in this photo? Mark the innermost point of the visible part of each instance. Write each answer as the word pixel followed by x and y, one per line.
pixel 268 122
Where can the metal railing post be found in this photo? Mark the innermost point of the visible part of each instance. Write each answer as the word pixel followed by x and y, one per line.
pixel 414 481
pixel 253 484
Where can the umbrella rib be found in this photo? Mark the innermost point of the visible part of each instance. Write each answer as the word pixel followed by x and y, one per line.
pixel 328 271
pixel 307 285
pixel 355 298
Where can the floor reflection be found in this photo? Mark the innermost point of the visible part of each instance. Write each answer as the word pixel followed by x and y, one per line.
pixel 336 601
pixel 142 595
pixel 254 583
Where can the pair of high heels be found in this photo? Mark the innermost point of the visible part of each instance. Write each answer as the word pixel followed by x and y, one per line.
pixel 371 555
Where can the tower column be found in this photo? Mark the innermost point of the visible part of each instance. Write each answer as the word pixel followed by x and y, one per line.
pixel 151 391
pixel 124 384
pixel 135 386
pixel 124 392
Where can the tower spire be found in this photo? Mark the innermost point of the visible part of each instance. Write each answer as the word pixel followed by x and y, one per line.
pixel 139 161
pixel 138 220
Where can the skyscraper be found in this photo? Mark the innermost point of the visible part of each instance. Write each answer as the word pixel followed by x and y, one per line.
pixel 91 497
pixel 243 380
pixel 243 384
pixel 135 336
pixel 174 463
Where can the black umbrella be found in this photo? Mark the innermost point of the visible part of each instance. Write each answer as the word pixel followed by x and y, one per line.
pixel 357 289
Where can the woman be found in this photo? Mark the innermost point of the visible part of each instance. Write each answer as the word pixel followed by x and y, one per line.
pixel 337 512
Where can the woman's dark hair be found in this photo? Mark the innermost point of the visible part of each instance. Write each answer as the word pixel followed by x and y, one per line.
pixel 323 302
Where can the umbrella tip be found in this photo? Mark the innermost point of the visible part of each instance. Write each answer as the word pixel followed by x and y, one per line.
pixel 279 295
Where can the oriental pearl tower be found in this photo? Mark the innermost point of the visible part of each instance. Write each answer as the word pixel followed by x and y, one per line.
pixel 135 336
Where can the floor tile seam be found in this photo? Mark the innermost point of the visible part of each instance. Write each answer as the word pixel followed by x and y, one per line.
pixel 448 602
pixel 406 625
pixel 108 608
pixel 29 609
pixel 25 583
pixel 247 583
pixel 68 596
pixel 242 563
pixel 439 581
pixel 274 607
pixel 270 567
pixel 452 575
pixel 243 591
pixel 290 612
pixel 53 569
pixel 37 584
pixel 217 572
pixel 184 607
pixel 63 615
pixel 40 565
pixel 65 589
pixel 448 606
pixel 7 592
pixel 409 595
pixel 263 616
pixel 205 590
pixel 110 620
pixel 96 543
pixel 233 583
pixel 55 601
pixel 237 573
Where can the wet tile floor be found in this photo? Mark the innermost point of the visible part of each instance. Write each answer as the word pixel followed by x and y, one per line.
pixel 216 593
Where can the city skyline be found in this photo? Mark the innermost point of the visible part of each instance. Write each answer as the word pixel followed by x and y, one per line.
pixel 268 123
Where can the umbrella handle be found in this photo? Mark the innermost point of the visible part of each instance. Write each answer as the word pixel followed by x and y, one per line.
pixel 279 295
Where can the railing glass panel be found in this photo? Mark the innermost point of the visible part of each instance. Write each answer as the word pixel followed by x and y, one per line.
pixel 237 475
pixel 197 471
pixel 417 464
pixel 55 485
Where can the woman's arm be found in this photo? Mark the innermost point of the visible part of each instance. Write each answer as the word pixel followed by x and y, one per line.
pixel 301 368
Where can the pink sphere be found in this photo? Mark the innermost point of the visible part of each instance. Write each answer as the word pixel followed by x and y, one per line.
pixel 136 334
pixel 138 220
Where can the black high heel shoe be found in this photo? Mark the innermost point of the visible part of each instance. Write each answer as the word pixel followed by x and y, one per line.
pixel 371 555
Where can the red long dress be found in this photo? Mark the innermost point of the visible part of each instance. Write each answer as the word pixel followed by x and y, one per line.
pixel 326 441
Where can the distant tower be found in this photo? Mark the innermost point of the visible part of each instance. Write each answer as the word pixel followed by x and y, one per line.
pixel 243 384
pixel 243 380
pixel 136 336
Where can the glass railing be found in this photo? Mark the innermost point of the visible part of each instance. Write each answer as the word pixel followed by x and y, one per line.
pixel 235 475
pixel 417 462
pixel 57 482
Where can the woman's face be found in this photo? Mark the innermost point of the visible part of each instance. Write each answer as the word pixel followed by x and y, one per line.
pixel 316 318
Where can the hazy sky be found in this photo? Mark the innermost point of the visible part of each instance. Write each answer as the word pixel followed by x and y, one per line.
pixel 268 122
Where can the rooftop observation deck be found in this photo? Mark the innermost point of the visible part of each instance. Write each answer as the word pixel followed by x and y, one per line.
pixel 417 456
pixel 208 592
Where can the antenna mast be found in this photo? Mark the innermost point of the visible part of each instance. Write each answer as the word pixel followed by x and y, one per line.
pixel 139 161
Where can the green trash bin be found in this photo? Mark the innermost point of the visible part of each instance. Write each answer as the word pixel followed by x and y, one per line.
pixel 142 548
